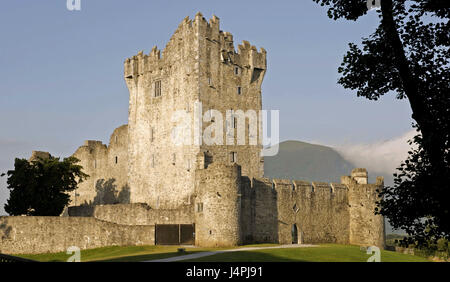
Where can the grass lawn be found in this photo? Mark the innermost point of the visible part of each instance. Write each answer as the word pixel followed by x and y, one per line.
pixel 322 253
pixel 130 253
pixel 114 253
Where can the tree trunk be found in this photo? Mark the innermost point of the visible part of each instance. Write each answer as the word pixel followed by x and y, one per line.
pixel 410 85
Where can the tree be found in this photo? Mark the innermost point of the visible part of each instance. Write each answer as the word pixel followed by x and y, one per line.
pixel 40 187
pixel 408 53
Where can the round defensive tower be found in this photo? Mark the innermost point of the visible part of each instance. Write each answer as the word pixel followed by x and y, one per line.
pixel 218 206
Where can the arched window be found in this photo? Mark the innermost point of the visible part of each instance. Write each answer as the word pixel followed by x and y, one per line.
pixel 294 232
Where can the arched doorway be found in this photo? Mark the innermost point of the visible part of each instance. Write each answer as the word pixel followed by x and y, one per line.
pixel 294 232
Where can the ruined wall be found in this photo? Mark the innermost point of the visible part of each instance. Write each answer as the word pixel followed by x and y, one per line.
pixel 136 214
pixel 107 170
pixel 218 206
pixel 42 234
pixel 36 155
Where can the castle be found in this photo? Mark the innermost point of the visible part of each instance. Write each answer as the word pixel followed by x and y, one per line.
pixel 211 194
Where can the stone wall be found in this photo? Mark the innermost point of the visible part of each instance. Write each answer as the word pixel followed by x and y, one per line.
pixel 319 212
pixel 270 210
pixel 160 172
pixel 42 234
pixel 136 214
pixel 264 211
pixel 218 206
pixel 366 228
pixel 198 64
pixel 107 170
pixel 227 198
pixel 222 71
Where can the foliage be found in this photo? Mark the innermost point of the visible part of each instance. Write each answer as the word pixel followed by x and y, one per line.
pixel 40 187
pixel 408 53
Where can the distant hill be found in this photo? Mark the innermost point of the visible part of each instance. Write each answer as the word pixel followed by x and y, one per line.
pixel 305 161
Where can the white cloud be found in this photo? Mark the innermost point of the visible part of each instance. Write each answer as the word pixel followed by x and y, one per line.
pixel 380 157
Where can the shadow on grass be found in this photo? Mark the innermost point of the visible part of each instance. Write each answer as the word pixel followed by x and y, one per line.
pixel 246 256
pixel 323 253
pixel 147 257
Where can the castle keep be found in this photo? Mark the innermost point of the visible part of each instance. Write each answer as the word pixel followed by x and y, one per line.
pixel 215 193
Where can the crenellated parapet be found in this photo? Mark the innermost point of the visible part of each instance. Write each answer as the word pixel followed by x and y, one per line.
pixel 321 212
pixel 188 39
pixel 141 63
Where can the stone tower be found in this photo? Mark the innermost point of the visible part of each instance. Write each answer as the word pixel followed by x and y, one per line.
pixel 198 65
pixel 366 228
pixel 218 212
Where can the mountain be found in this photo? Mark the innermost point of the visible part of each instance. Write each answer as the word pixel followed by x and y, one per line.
pixel 304 161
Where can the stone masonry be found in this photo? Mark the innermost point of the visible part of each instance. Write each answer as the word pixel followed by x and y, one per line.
pixel 142 178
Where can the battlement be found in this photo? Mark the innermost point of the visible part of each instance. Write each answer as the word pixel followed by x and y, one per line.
pixel 338 186
pixel 300 185
pixel 360 175
pixel 187 40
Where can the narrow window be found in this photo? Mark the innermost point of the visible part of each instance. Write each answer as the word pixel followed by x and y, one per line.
pixel 235 122
pixel 174 158
pixel 236 70
pixel 239 90
pixel 151 134
pixel 157 88
pixel 295 208
pixel 209 81
pixel 233 157
pixel 117 159
pixel 115 139
pixel 188 164
pixel 199 207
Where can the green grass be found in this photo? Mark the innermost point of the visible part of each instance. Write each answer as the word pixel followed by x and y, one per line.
pixel 114 253
pixel 128 253
pixel 322 253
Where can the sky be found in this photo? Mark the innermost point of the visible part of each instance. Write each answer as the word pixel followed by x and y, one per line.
pixel 61 71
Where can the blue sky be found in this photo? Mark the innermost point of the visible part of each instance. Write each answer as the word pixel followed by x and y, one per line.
pixel 61 72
